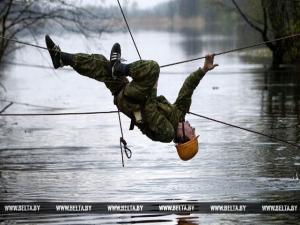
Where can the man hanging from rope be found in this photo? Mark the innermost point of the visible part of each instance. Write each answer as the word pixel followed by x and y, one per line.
pixel 152 114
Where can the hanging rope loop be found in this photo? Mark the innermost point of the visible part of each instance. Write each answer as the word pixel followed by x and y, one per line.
pixel 123 143
pixel 127 150
pixel 123 147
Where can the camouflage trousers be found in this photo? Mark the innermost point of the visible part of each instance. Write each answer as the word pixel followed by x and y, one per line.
pixel 144 73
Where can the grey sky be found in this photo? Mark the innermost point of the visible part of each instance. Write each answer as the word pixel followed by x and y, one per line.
pixel 141 3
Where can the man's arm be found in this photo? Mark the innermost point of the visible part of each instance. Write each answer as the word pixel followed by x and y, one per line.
pixel 184 99
pixel 209 63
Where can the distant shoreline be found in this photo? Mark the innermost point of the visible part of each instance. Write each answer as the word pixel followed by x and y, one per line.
pixel 167 23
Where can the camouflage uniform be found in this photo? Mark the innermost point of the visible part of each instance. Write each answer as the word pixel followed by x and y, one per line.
pixel 159 117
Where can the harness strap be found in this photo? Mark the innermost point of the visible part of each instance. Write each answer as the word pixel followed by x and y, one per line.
pixel 183 131
pixel 132 123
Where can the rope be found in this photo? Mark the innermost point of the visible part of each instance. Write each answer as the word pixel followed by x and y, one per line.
pixel 52 50
pixel 57 114
pixel 25 43
pixel 175 63
pixel 165 72
pixel 246 129
pixel 31 65
pixel 118 80
pixel 32 105
pixel 123 143
pixel 234 50
pixel 124 17
pixel 6 107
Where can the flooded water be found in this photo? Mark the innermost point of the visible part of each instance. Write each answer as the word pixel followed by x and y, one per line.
pixel 77 158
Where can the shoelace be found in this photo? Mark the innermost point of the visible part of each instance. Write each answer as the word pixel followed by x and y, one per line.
pixel 56 50
pixel 115 56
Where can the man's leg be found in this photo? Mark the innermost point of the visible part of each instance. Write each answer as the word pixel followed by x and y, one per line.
pixel 144 74
pixel 93 66
pixel 97 67
pixel 184 99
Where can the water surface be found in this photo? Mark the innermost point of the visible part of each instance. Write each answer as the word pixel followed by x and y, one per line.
pixel 77 158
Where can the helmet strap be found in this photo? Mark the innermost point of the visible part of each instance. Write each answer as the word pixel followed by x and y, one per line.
pixel 183 131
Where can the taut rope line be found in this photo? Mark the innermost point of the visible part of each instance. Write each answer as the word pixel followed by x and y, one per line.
pixel 56 114
pixel 129 154
pixel 123 143
pixel 128 28
pixel 234 50
pixel 246 129
pixel 180 62
pixel 6 107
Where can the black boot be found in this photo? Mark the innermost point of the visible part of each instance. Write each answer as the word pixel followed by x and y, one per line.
pixel 59 58
pixel 54 52
pixel 117 68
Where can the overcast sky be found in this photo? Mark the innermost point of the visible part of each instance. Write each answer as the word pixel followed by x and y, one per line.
pixel 141 3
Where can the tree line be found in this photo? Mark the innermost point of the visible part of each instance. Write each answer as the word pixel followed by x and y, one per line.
pixel 270 19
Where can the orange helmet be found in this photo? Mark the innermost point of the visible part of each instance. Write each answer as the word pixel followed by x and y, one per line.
pixel 188 150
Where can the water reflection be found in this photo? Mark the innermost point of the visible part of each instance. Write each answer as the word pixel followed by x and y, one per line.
pixel 191 43
pixel 281 94
pixel 158 219
pixel 280 117
pixel 281 102
pixel 187 221
pixel 194 43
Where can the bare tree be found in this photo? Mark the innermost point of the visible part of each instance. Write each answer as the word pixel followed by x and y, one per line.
pixel 279 18
pixel 19 16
